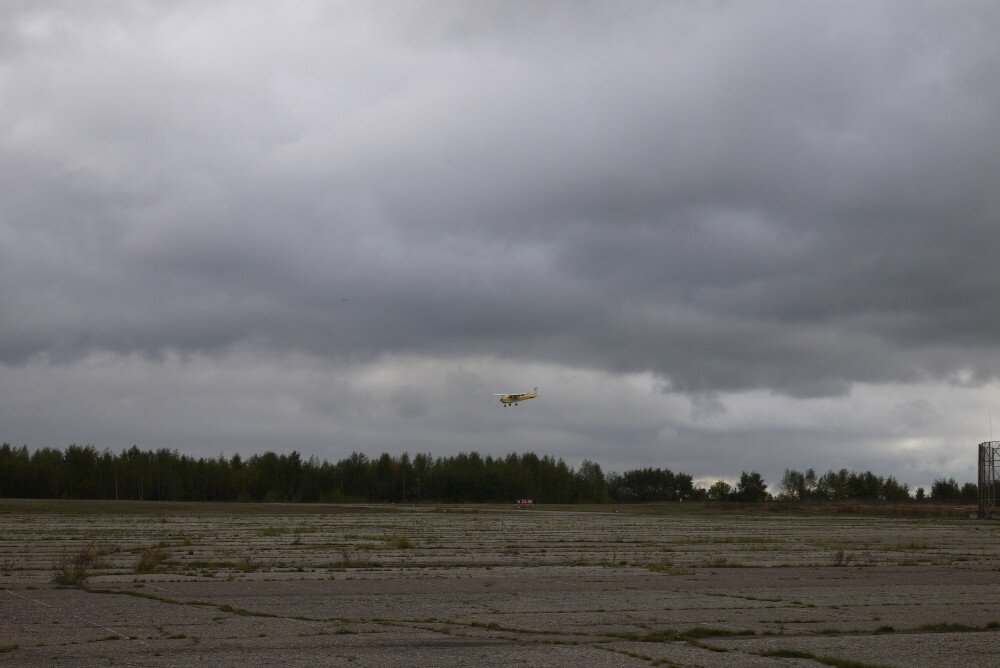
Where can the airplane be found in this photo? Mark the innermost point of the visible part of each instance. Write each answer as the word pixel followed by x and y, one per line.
pixel 508 399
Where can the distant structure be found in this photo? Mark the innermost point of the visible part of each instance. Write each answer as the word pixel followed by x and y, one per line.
pixel 989 481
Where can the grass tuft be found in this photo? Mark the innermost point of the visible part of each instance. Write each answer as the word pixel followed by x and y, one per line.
pixel 671 635
pixel 73 570
pixel 845 663
pixel 841 558
pixel 150 559
pixel 787 653
pixel 400 542
pixel 946 627
pixel 710 632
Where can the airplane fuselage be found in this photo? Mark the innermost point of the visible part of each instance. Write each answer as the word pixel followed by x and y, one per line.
pixel 507 399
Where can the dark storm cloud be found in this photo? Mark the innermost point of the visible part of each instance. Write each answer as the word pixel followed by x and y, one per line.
pixel 792 196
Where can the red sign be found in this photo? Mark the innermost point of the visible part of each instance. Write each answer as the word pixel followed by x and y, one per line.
pixel 525 502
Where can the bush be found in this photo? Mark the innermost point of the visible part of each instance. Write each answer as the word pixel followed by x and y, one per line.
pixel 150 559
pixel 73 570
pixel 841 558
pixel 400 542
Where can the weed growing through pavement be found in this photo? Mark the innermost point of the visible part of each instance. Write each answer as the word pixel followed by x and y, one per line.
pixel 247 564
pixel 150 559
pixel 841 558
pixel 73 570
pixel 400 542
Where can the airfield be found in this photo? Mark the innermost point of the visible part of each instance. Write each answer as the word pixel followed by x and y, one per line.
pixel 308 585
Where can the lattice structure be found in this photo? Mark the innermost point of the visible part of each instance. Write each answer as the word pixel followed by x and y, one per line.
pixel 989 477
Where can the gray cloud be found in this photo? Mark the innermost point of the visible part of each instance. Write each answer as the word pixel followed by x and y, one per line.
pixel 789 197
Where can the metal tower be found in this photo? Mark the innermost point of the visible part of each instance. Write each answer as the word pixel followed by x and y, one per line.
pixel 989 477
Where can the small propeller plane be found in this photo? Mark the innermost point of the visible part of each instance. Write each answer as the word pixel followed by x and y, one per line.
pixel 508 399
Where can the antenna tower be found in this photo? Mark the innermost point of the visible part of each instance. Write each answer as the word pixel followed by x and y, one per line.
pixel 989 478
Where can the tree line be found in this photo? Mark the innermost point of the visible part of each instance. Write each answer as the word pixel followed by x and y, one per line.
pixel 84 472
pixel 844 484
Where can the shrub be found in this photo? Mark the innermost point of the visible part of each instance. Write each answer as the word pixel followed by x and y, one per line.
pixel 73 570
pixel 150 559
pixel 841 558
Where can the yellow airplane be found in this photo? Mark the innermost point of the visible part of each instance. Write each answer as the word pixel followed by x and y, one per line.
pixel 508 399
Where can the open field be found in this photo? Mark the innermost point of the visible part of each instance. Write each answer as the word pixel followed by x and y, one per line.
pixel 229 584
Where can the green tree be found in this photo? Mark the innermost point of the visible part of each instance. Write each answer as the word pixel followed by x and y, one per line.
pixel 591 484
pixel 895 491
pixel 945 490
pixel 792 484
pixel 720 491
pixel 751 487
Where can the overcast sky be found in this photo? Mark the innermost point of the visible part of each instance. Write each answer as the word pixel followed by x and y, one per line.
pixel 719 236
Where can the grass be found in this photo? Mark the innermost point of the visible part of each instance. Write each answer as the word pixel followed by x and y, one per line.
pixel 400 542
pixel 243 612
pixel 659 567
pixel 710 632
pixel 150 559
pixel 247 564
pixel 696 633
pixel 709 647
pixel 841 558
pixel 161 509
pixel 845 663
pixel 9 647
pixel 350 559
pixel 787 653
pixel 722 562
pixel 73 570
pixel 947 627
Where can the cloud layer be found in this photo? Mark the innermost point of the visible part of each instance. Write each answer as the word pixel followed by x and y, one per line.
pixel 730 199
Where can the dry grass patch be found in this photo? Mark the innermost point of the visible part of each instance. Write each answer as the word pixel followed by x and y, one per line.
pixel 400 542
pixel 150 559
pixel 73 570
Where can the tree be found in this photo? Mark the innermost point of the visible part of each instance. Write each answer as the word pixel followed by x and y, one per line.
pixel 591 485
pixel 719 491
pixel 895 491
pixel 793 484
pixel 942 489
pixel 650 484
pixel 751 487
